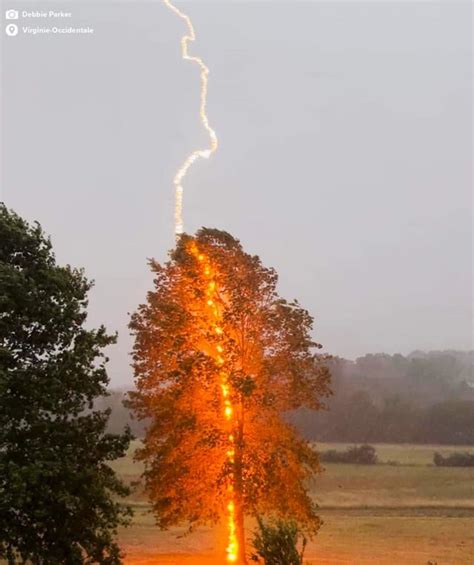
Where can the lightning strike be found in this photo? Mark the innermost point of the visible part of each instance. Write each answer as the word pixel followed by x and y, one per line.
pixel 203 153
pixel 232 548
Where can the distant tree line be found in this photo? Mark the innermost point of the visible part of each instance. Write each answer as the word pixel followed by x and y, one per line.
pixel 419 398
pixel 358 455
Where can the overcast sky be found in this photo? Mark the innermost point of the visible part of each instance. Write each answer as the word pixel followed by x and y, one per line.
pixel 344 160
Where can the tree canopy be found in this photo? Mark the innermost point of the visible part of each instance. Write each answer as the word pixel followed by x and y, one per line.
pixel 58 495
pixel 219 358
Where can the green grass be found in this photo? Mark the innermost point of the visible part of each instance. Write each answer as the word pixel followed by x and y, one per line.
pixel 413 482
pixel 387 486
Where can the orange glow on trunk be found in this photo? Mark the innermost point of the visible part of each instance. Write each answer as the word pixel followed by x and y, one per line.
pixel 217 351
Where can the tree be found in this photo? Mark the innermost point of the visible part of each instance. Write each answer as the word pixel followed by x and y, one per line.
pixel 57 491
pixel 278 542
pixel 219 358
pixel 448 422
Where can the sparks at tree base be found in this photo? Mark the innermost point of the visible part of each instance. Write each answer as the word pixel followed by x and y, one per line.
pixel 219 358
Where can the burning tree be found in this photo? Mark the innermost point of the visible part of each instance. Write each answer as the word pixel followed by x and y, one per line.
pixel 219 358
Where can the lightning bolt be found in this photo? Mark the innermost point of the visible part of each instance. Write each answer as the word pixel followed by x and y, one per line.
pixel 216 316
pixel 203 153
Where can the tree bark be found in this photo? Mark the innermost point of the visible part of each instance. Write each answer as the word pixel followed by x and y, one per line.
pixel 240 530
pixel 238 490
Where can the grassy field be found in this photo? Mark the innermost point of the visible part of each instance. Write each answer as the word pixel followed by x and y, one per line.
pixel 408 512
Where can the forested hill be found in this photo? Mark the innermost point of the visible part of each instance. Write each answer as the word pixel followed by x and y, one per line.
pixel 422 379
pixel 418 398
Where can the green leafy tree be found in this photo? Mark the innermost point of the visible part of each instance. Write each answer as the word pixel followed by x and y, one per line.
pixel 278 543
pixel 219 360
pixel 58 495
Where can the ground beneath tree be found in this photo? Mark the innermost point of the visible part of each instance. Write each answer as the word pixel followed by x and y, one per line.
pixel 193 560
pixel 407 513
pixel 349 537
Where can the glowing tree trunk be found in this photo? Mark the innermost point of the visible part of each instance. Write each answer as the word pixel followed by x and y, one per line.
pixel 238 490
pixel 235 516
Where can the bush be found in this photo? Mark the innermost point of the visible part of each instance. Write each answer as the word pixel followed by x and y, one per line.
pixel 458 459
pixel 360 455
pixel 276 543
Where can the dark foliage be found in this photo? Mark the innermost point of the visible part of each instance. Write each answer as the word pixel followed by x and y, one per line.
pixel 360 455
pixel 57 491
pixel 278 543
pixel 454 460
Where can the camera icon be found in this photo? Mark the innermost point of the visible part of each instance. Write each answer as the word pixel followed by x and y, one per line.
pixel 11 30
pixel 11 14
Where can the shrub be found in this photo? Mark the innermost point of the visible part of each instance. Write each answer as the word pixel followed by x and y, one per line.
pixel 360 455
pixel 276 543
pixel 458 459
